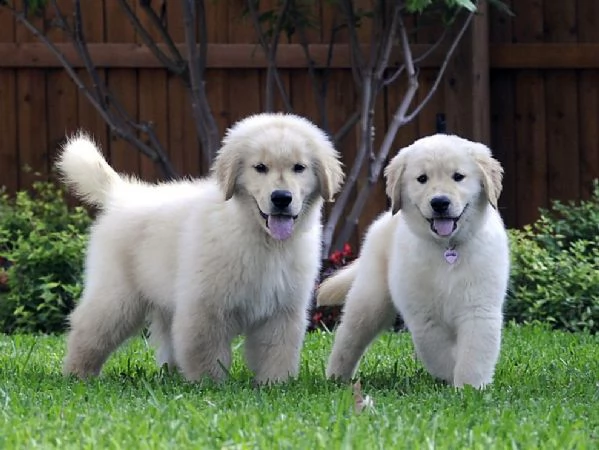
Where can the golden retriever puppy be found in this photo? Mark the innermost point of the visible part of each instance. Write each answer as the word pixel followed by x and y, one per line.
pixel 204 261
pixel 440 257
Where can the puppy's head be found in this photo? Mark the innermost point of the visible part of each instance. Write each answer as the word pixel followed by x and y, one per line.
pixel 278 166
pixel 443 182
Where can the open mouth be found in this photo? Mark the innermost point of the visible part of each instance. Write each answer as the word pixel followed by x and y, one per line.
pixel 280 226
pixel 445 226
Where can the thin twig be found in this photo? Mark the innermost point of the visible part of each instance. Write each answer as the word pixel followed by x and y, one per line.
pixel 346 127
pixel 168 40
pixel 357 60
pixel 441 72
pixel 389 39
pixel 270 50
pixel 165 60
pixel 204 120
pixel 317 90
pixel 210 122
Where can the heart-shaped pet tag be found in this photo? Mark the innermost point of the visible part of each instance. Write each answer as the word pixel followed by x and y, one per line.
pixel 451 256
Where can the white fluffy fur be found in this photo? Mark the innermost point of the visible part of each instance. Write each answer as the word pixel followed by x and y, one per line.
pixel 196 258
pixel 454 312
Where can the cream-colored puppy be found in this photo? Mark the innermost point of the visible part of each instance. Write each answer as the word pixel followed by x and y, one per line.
pixel 206 260
pixel 439 257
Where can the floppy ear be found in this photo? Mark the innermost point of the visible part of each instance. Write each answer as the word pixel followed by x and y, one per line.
pixel 226 169
pixel 492 174
pixel 329 171
pixel 393 174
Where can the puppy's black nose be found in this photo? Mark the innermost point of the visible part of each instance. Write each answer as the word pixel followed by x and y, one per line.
pixel 281 199
pixel 440 203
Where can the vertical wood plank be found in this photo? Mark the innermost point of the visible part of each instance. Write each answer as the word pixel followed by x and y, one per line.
pixel 152 92
pixel 152 97
pixel 427 118
pixel 183 145
pixel 467 81
pixel 588 103
pixel 89 119
pixel 219 17
pixel 9 155
pixel 561 91
pixel 340 104
pixel 62 93
pixel 500 24
pixel 32 126
pixel 31 115
pixel 530 131
pixel 531 158
pixel 123 84
pixel 243 85
pixel 503 142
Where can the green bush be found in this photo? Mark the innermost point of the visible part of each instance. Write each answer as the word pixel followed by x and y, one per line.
pixel 555 268
pixel 44 239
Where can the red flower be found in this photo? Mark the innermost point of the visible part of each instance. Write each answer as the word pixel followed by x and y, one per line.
pixel 347 250
pixel 336 257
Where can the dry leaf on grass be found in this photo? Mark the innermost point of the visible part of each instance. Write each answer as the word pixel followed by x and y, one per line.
pixel 361 401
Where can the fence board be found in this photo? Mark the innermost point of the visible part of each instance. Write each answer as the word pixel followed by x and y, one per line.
pixel 503 143
pixel 588 99
pixel 92 15
pixel 62 108
pixel 123 84
pixel 531 166
pixel 152 96
pixel 9 153
pixel 32 125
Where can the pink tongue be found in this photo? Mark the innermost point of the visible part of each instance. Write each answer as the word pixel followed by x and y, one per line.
pixel 443 227
pixel 280 227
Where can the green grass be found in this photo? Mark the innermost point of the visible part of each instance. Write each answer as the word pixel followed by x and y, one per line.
pixel 546 395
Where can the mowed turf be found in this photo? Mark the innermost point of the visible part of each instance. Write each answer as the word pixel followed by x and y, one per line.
pixel 546 395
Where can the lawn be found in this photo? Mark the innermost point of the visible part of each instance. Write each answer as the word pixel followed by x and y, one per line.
pixel 546 395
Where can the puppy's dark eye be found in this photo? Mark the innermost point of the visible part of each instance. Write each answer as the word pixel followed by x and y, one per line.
pixel 422 179
pixel 458 177
pixel 261 168
pixel 299 168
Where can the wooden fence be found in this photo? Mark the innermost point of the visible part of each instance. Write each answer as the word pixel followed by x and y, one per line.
pixel 528 85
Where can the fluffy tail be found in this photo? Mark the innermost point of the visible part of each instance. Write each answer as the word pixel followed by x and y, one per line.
pixel 84 169
pixel 334 289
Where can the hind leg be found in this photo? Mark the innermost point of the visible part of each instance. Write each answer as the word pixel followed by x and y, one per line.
pixel 103 319
pixel 161 337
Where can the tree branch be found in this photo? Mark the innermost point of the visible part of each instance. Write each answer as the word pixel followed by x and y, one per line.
pixel 441 72
pixel 147 7
pixel 319 98
pixel 150 152
pixel 357 60
pixel 204 121
pixel 400 118
pixel 167 62
pixel 270 50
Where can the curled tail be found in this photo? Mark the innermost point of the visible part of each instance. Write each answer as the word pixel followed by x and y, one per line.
pixel 84 169
pixel 334 289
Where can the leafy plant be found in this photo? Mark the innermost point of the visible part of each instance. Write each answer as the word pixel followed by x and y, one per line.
pixel 43 240
pixel 555 267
